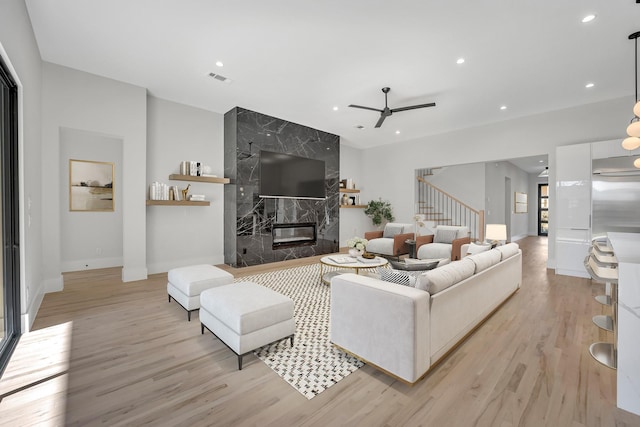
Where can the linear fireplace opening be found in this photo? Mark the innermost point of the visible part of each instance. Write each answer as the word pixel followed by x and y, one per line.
pixel 293 234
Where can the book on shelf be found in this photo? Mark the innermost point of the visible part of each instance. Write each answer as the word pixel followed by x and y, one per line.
pixel 197 198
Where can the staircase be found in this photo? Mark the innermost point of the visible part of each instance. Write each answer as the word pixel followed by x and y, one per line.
pixel 439 207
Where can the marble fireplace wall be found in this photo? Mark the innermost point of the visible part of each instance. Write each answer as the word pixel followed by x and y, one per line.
pixel 248 218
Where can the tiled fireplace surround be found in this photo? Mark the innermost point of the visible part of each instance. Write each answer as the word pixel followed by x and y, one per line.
pixel 249 219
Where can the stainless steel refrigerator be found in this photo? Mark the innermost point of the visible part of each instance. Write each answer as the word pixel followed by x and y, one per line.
pixel 615 197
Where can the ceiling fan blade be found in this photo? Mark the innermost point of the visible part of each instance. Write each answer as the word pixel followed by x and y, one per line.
pixel 381 119
pixel 366 108
pixel 413 107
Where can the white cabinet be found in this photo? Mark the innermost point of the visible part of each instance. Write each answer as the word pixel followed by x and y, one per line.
pixel 573 208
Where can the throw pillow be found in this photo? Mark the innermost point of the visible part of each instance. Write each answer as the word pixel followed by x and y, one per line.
pixel 476 249
pixel 398 277
pixel 445 236
pixel 391 230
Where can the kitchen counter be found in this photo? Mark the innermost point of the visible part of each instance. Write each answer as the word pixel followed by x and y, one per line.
pixel 626 247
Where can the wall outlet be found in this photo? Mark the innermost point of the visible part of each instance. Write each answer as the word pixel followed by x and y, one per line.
pixel 98 251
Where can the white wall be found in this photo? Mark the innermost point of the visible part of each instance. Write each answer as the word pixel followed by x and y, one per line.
pixel 184 235
pixel 464 182
pixel 90 239
pixel 498 203
pixel 19 51
pixel 83 101
pixel 353 222
pixel 520 137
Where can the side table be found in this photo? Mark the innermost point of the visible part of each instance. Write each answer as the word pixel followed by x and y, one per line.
pixel 412 247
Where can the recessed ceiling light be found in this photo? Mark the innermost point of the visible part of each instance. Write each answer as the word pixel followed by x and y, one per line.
pixel 397 132
pixel 460 61
pixel 219 64
pixel 335 108
pixel 589 85
pixel 504 107
pixel 588 18
pixel 540 161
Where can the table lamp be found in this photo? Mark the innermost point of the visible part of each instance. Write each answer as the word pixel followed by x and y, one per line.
pixel 495 233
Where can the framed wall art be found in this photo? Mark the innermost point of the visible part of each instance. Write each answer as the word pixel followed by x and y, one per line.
pixel 91 186
pixel 521 202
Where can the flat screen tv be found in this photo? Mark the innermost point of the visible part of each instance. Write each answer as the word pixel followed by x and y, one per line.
pixel 287 176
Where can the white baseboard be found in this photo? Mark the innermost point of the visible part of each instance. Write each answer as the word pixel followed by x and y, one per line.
pixel 518 237
pixel 91 264
pixel 27 318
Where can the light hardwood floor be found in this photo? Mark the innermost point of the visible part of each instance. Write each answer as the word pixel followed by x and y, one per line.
pixel 112 353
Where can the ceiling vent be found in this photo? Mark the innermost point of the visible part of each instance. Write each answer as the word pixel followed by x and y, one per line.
pixel 220 77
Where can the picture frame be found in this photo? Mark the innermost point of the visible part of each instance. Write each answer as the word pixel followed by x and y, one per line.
pixel 521 202
pixel 91 186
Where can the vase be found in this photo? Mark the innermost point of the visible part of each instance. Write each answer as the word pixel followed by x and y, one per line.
pixel 354 253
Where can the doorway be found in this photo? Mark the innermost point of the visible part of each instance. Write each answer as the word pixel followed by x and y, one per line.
pixel 507 206
pixel 9 215
pixel 543 209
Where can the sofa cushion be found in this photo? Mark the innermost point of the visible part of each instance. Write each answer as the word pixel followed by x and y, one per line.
pixel 394 276
pixel 445 236
pixel 434 250
pixel 439 279
pixel 391 229
pixel 508 250
pixel 484 260
pixel 380 246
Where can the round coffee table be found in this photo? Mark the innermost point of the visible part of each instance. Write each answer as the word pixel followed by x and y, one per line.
pixel 341 261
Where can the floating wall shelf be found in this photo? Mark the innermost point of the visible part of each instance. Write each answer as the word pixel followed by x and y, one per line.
pixel 212 179
pixel 353 206
pixel 177 203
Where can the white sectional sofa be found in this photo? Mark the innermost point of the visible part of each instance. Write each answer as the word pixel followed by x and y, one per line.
pixel 405 330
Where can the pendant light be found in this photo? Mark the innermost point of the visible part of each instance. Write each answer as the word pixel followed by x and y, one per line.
pixel 633 130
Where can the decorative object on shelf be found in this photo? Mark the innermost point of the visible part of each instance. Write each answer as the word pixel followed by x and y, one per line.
pixel 496 233
pixel 345 200
pixel 357 246
pixel 351 200
pixel 91 186
pixel 185 193
pixel 378 210
pixel 633 130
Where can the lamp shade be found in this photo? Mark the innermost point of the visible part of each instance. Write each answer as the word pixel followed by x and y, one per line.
pixel 496 232
pixel 634 128
pixel 636 109
pixel 631 143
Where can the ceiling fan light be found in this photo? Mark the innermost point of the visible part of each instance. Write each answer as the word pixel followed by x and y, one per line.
pixel 634 128
pixel 631 143
pixel 636 163
pixel 636 109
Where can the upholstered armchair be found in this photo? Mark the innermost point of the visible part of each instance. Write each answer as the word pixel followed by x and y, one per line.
pixel 391 240
pixel 444 243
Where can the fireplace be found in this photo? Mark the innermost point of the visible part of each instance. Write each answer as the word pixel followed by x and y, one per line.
pixel 293 234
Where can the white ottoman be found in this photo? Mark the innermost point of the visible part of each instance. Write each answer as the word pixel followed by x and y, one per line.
pixel 246 316
pixel 186 283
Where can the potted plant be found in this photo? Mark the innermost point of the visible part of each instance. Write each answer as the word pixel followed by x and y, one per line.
pixel 379 210
pixel 357 246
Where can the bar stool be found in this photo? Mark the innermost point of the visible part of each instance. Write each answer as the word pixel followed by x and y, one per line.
pixel 604 258
pixel 604 352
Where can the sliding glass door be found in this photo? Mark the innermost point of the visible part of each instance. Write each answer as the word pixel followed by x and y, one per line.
pixel 9 214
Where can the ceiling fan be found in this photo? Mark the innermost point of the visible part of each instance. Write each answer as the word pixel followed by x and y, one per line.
pixel 386 112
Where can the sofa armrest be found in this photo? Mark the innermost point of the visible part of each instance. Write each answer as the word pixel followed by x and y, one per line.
pixel 370 235
pixel 399 243
pixel 384 324
pixel 423 240
pixel 456 245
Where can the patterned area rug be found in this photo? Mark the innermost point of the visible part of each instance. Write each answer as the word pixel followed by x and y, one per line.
pixel 313 364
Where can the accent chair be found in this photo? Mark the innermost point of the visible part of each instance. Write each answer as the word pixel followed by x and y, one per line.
pixel 390 242
pixel 444 243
